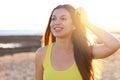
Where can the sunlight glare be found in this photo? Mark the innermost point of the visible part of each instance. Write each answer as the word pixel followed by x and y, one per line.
pixel 105 14
pixel 34 14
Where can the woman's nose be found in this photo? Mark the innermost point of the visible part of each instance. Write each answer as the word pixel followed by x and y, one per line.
pixel 57 21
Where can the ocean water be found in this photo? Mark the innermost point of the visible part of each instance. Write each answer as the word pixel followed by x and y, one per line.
pixel 30 32
pixel 17 33
pixel 24 32
pixel 20 32
pixel 10 45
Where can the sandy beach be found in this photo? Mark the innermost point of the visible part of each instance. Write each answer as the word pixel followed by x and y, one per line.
pixel 20 66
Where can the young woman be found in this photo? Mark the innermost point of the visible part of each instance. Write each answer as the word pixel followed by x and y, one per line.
pixel 67 53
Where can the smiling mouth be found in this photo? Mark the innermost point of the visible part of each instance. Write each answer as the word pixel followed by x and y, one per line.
pixel 58 29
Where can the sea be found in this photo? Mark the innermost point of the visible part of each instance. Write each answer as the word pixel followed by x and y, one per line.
pixel 17 33
pixel 27 32
pixel 20 32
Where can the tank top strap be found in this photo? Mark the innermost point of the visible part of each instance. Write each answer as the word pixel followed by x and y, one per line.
pixel 46 61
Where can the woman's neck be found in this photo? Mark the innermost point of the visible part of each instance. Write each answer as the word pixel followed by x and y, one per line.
pixel 64 44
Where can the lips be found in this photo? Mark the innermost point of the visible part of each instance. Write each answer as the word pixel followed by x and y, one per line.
pixel 58 29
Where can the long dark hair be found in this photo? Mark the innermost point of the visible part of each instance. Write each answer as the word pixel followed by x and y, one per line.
pixel 82 50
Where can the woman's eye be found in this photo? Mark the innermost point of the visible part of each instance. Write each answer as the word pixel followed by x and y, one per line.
pixel 63 18
pixel 53 18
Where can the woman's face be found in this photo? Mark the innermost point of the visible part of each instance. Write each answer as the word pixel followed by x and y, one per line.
pixel 61 23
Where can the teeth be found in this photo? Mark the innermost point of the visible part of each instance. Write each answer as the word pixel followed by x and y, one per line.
pixel 57 28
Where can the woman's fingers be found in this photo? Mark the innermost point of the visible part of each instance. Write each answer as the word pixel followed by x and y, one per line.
pixel 83 15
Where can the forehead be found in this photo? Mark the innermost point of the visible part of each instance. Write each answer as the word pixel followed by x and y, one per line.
pixel 60 12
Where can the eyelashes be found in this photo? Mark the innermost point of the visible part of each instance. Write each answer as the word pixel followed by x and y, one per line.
pixel 53 18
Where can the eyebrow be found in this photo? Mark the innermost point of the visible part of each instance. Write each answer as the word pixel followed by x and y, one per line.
pixel 61 16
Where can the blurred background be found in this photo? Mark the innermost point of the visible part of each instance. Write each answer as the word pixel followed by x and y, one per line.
pixel 23 23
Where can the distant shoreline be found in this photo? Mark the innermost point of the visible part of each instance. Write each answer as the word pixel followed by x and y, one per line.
pixel 31 32
pixel 20 32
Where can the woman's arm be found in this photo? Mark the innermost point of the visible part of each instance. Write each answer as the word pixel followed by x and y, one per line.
pixel 110 43
pixel 38 64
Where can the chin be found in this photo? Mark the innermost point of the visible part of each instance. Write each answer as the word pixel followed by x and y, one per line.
pixel 60 36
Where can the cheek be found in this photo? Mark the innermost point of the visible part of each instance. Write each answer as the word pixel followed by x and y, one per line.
pixel 70 26
pixel 51 24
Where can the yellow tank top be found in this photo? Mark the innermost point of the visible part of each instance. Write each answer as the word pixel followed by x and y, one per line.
pixel 50 73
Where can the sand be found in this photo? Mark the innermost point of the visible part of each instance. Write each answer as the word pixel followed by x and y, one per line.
pixel 20 66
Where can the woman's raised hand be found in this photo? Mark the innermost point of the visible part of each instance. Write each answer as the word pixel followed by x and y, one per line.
pixel 83 15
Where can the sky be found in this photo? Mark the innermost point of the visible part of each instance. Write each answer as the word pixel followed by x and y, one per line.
pixel 34 14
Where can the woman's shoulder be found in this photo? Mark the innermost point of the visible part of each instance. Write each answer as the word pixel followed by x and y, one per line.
pixel 41 51
pixel 40 55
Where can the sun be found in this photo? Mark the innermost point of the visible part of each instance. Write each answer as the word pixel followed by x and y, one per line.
pixel 104 14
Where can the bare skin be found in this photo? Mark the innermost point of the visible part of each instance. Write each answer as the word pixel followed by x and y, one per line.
pixel 62 52
pixel 110 43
